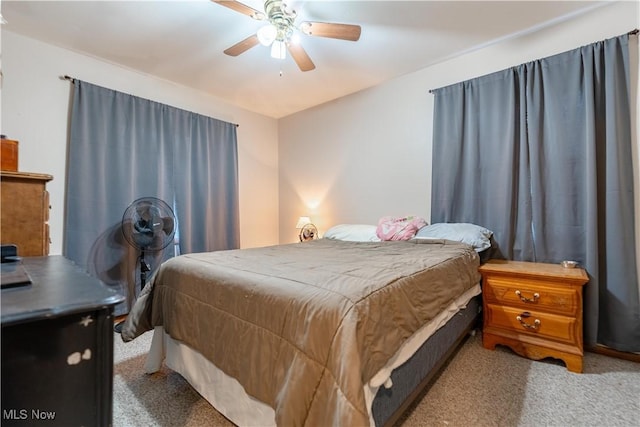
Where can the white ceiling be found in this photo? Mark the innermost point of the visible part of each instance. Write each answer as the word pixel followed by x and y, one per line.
pixel 183 41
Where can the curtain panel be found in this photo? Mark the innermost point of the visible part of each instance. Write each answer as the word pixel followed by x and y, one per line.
pixel 542 155
pixel 123 147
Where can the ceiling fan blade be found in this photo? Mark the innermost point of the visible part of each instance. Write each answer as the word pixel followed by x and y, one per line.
pixel 300 56
pixel 331 30
pixel 242 46
pixel 242 8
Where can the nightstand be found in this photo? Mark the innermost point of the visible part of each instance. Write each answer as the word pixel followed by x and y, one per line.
pixel 535 309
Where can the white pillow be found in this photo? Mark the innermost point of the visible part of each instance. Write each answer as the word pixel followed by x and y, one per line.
pixel 471 234
pixel 352 233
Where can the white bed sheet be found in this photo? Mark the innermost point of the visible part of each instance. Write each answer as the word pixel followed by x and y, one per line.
pixel 229 397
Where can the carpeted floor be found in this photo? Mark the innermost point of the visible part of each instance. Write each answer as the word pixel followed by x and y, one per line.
pixel 477 388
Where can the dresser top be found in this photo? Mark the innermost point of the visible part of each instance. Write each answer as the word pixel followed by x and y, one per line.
pixel 59 287
pixel 25 175
pixel 537 269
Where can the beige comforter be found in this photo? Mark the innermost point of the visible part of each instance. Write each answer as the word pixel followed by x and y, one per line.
pixel 303 327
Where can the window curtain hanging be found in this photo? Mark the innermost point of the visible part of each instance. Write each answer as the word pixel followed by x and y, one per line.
pixel 480 159
pixel 123 147
pixel 542 155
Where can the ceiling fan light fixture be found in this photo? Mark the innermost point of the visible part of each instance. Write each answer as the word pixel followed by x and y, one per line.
pixel 267 34
pixel 281 20
pixel 278 50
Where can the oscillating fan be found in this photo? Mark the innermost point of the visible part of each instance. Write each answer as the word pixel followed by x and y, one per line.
pixel 148 224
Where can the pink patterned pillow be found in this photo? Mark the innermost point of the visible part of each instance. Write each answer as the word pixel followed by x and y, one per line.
pixel 394 228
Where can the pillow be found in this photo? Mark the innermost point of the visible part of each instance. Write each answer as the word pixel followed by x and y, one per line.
pixel 471 234
pixel 404 228
pixel 352 233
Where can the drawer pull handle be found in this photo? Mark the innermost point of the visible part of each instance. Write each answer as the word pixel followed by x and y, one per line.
pixel 525 299
pixel 536 322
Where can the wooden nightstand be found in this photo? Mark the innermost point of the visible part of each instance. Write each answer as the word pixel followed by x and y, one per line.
pixel 535 309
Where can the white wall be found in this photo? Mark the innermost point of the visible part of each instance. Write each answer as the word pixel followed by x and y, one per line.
pixel 360 157
pixel 35 111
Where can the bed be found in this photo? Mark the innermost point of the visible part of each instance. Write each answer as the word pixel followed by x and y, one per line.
pixel 327 332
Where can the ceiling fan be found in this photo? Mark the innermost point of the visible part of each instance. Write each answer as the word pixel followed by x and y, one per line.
pixel 280 31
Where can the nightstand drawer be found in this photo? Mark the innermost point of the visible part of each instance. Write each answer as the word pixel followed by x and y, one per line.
pixel 531 295
pixel 534 323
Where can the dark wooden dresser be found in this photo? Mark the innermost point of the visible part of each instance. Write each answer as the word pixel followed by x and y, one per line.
pixel 57 347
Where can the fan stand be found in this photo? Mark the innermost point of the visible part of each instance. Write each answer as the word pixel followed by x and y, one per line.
pixel 144 269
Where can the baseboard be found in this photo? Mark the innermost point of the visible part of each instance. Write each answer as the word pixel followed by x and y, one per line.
pixel 607 351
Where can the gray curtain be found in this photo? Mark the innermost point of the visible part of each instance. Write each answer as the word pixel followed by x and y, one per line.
pixel 480 164
pixel 541 154
pixel 121 148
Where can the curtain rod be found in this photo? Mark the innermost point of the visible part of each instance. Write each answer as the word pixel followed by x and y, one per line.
pixel 73 80
pixel 630 33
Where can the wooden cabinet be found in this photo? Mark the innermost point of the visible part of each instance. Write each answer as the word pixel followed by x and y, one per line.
pixel 25 212
pixel 535 309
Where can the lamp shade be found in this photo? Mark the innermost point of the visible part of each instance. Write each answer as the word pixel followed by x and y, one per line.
pixel 278 50
pixel 302 221
pixel 267 34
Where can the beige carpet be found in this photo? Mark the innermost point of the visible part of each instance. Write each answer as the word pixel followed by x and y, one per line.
pixel 477 388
